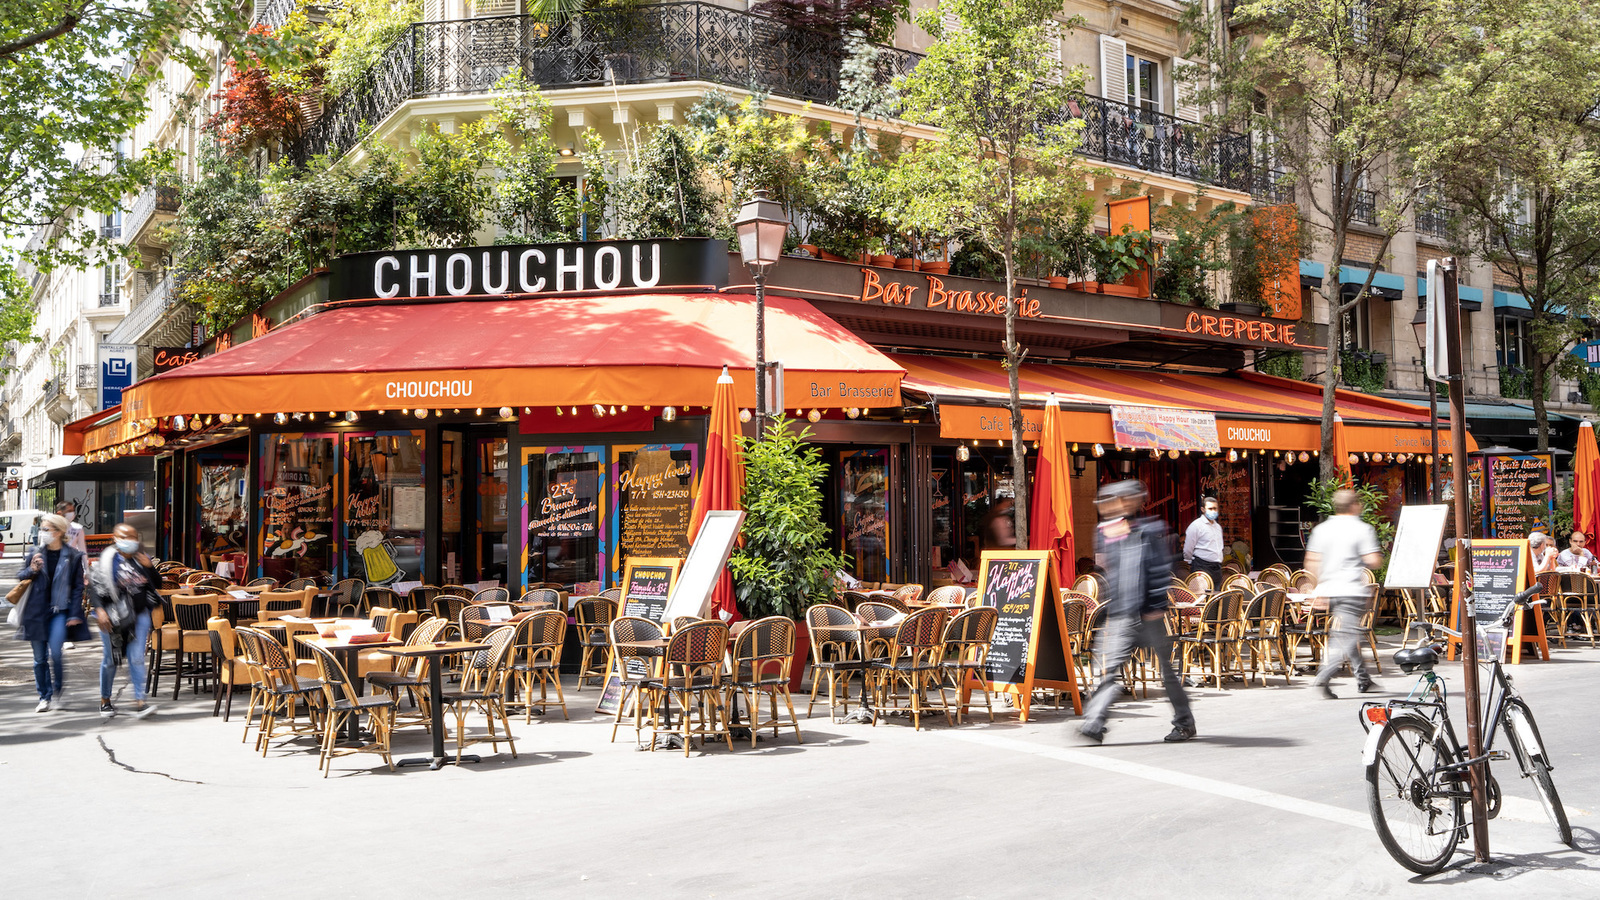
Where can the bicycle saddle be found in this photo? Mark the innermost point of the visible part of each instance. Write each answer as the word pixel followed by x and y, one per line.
pixel 1417 658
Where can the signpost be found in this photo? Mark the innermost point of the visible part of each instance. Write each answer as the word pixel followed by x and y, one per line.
pixel 1029 649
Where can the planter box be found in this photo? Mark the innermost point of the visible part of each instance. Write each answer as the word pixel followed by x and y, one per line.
pixel 936 268
pixel 1114 290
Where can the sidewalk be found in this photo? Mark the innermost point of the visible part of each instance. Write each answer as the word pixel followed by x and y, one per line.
pixel 1268 801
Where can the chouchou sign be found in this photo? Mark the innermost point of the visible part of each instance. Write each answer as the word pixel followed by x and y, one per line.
pixel 531 269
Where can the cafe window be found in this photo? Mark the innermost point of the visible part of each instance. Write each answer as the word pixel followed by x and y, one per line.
pixel 299 475
pixel 385 504
pixel 1511 341
pixel 452 496
pixel 1357 331
pixel 653 495
pixel 865 511
pixel 493 458
pixel 219 509
pixel 563 499
pixel 988 498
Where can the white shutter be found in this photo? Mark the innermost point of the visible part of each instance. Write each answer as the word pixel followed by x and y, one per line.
pixel 1185 91
pixel 433 11
pixel 1113 69
pixel 482 9
pixel 1052 50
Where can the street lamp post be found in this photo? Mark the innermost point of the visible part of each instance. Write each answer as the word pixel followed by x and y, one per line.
pixel 1419 324
pixel 761 226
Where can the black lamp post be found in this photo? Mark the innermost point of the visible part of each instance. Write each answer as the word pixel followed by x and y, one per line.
pixel 761 226
pixel 1419 324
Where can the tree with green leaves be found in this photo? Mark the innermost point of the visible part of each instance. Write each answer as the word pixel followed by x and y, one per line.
pixel 1513 148
pixel 1003 164
pixel 664 192
pixel 531 205
pixel 1341 80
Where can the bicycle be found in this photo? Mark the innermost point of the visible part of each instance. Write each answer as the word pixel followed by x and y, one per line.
pixel 1417 769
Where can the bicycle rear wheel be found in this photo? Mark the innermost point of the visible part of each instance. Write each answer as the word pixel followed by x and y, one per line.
pixel 1419 828
pixel 1520 731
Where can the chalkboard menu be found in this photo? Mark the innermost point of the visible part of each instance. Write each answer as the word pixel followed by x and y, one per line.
pixel 646 585
pixel 1230 484
pixel 1027 650
pixel 1521 495
pixel 1499 573
pixel 653 492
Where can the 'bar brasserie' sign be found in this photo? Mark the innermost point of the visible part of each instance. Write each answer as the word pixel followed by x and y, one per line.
pixel 531 269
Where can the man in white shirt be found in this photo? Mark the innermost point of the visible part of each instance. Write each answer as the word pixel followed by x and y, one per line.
pixel 1577 556
pixel 1202 543
pixel 1336 552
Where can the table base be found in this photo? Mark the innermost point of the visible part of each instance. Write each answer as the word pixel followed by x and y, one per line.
pixel 435 763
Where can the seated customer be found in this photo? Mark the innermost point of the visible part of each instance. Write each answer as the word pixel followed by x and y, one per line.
pixel 1575 556
pixel 1545 557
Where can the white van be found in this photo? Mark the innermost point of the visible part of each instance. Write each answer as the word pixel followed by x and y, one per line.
pixel 19 528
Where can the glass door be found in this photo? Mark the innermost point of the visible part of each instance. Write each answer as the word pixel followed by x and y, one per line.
pixel 492 469
pixel 865 502
pixel 563 505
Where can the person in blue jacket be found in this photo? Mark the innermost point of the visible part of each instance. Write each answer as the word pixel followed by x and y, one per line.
pixel 53 612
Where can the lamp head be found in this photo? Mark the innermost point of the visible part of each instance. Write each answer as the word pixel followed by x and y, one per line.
pixel 761 226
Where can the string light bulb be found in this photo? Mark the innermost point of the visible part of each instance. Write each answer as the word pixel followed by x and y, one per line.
pixel 853 412
pixel 506 412
pixel 744 415
pixel 280 418
pixel 962 453
pixel 178 423
pixel 1099 451
pixel 560 411
pixel 350 416
pixel 613 411
pixel 422 414
pixel 814 416
pixel 669 413
pixel 1233 456
pixel 599 411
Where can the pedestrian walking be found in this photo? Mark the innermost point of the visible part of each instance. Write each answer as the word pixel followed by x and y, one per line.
pixel 68 510
pixel 52 611
pixel 1138 566
pixel 1336 552
pixel 1203 542
pixel 122 590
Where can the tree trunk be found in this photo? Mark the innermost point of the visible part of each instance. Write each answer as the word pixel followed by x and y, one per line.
pixel 1019 443
pixel 1536 392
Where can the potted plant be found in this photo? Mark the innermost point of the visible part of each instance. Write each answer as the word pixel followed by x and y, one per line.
pixel 784 563
pixel 878 254
pixel 1116 256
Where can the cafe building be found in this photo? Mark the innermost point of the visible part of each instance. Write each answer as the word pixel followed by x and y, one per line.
pixel 533 414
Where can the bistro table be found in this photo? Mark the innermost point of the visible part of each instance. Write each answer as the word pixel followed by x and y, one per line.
pixel 349 655
pixel 432 653
pixel 864 713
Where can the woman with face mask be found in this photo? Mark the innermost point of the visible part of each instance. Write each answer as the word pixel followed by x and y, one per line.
pixel 53 611
pixel 122 589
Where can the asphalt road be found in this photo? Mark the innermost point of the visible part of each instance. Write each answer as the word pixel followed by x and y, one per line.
pixel 1268 801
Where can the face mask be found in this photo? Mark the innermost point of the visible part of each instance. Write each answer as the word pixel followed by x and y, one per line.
pixel 70 517
pixel 1211 514
pixel 127 547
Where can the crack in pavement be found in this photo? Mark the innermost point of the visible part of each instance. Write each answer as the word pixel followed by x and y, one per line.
pixel 112 755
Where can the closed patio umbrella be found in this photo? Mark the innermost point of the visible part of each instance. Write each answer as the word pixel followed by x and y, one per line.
pixel 1341 453
pixel 721 482
pixel 1050 518
pixel 1586 482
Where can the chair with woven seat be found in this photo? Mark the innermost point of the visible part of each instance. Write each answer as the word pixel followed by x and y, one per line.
pixel 913 660
pixel 387 598
pixel 683 622
pixel 301 584
pixel 536 659
pixel 487 696
pixel 1305 624
pixel 889 600
pixel 966 652
pixel 229 670
pixel 633 666
pixel 340 702
pixel 593 615
pixel 449 606
pixel 410 674
pixel 835 653
pixel 456 590
pixel 1555 606
pixel 691 676
pixel 268 583
pixel 1075 610
pixel 1274 576
pixel 762 655
pixel 1239 582
pixel 1303 582
pixel 947 595
pixel 195 576
pixel 1216 633
pixel 1199 583
pixel 612 594
pixel 188 641
pixel 282 691
pixel 474 622
pixel 348 598
pixel 1262 624
pixel 279 603
pixel 1581 603
pixel 908 594
pixel 852 600
pixel 875 645
pixel 492 595
pixel 1088 584
pixel 420 599
pixel 543 596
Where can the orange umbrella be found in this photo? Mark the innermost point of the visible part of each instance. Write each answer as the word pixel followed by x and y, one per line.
pixel 1050 515
pixel 1586 482
pixel 1341 453
pixel 721 481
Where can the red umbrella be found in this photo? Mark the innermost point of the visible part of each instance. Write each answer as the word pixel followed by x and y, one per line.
pixel 1586 482
pixel 1341 453
pixel 721 481
pixel 1050 515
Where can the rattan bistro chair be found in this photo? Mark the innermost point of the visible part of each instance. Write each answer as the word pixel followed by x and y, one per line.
pixel 691 676
pixel 348 597
pixel 914 660
pixel 1216 633
pixel 536 659
pixel 492 595
pixel 340 702
pixel 420 599
pixel 593 615
pixel 947 595
pixel 1263 633
pixel 762 655
pixel 410 674
pixel 488 696
pixel 966 652
pixel 543 595
pixel 835 653
pixel 282 691
pixel 633 666
pixel 449 606
pixel 191 646
pixel 229 671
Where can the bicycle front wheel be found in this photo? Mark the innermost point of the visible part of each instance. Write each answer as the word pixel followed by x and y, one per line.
pixel 1520 731
pixel 1419 827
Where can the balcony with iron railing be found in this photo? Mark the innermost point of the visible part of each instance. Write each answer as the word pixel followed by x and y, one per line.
pixel 703 42
pixel 1433 220
pixel 53 387
pixel 1272 186
pixel 144 316
pixel 157 203
pixel 272 13
pixel 1364 208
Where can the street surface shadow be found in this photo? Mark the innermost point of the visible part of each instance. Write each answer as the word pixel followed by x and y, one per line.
pixel 1585 857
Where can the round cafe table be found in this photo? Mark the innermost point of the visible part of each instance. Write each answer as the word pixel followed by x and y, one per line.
pixel 432 653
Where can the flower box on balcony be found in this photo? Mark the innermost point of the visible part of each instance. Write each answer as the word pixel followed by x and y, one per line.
pixel 1115 290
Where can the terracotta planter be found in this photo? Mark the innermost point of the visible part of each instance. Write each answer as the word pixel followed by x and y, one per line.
pixel 881 260
pixel 1057 282
pixel 1122 290
pixel 811 250
pixel 831 257
pixel 936 268
pixel 802 651
pixel 909 263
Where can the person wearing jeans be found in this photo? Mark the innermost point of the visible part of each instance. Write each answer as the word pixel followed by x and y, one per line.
pixel 52 613
pixel 122 589
pixel 1336 552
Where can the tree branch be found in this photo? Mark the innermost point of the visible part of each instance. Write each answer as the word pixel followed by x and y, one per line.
pixel 67 23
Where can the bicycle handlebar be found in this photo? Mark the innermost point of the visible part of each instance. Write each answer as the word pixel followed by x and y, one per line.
pixel 1522 599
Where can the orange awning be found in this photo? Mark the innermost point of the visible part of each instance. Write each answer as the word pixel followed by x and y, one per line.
pixel 642 349
pixel 1253 411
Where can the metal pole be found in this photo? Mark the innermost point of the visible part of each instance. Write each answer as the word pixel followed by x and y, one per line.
pixel 761 351
pixel 1438 458
pixel 1469 626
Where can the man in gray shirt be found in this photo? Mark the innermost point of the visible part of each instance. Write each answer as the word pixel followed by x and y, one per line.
pixel 1336 553
pixel 1202 543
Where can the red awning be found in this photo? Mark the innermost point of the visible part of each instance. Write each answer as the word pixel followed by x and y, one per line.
pixel 642 349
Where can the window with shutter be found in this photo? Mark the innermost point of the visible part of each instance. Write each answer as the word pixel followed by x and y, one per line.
pixel 433 11
pixel 1185 90
pixel 1113 69
pixel 1052 50
pixel 482 9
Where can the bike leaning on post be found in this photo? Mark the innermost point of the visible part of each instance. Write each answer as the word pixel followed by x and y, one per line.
pixel 1417 769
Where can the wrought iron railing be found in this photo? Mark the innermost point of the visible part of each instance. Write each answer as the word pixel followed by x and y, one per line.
pixel 143 317
pixel 1364 207
pixel 1157 142
pixel 53 387
pixel 1520 233
pixel 272 13
pixel 110 298
pixel 153 199
pixel 1434 220
pixel 88 378
pixel 1272 186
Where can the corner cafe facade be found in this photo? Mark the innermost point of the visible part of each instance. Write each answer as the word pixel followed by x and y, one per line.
pixel 538 414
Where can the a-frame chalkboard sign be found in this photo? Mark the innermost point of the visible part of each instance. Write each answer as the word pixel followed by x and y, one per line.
pixel 1029 649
